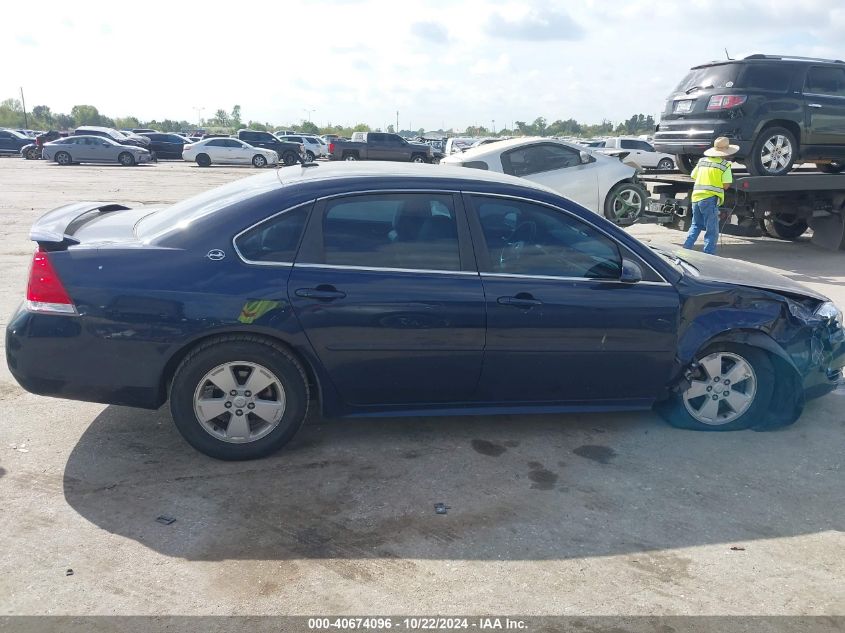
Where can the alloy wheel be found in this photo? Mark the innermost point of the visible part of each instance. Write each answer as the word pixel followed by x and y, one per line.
pixel 239 402
pixel 776 153
pixel 627 203
pixel 724 389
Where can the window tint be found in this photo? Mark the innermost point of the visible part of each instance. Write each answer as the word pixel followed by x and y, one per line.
pixel 230 142
pixel 173 138
pixel 716 76
pixel 376 137
pixel 417 231
pixel 826 81
pixel 218 142
pixel 535 159
pixel 5 135
pixel 774 77
pixel 292 139
pixel 626 144
pixel 275 240
pixel 528 239
pixel 477 164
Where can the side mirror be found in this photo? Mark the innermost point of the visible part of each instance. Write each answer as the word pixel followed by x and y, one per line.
pixel 631 272
pixel 586 158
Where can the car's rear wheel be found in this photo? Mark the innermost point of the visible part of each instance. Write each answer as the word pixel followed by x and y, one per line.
pixel 418 158
pixel 666 164
pixel 350 157
pixel 625 202
pixel 833 167
pixel 685 163
pixel 203 160
pixel 784 226
pixel 774 152
pixel 309 156
pixel 126 159
pixel 239 397
pixel 31 153
pixel 731 390
pixel 290 158
pixel 259 161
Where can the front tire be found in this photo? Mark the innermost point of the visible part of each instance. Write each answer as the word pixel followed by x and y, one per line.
pixel 31 153
pixel 63 158
pixel 666 164
pixel 203 160
pixel 239 397
pixel 126 159
pixel 259 161
pixel 309 156
pixel 418 158
pixel 289 158
pixel 773 154
pixel 625 202
pixel 732 390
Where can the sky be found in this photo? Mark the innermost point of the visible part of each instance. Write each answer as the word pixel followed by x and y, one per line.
pixel 440 63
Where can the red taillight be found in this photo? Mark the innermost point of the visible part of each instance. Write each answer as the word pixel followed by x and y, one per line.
pixel 725 102
pixel 331 148
pixel 45 292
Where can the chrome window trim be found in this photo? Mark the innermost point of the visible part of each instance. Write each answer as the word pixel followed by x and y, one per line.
pixel 369 192
pixel 578 279
pixel 689 131
pixel 824 96
pixel 572 215
pixel 267 219
pixel 463 273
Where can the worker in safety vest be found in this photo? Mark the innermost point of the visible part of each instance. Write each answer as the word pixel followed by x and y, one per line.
pixel 712 177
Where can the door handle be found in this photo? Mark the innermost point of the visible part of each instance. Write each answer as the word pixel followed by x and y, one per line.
pixel 520 301
pixel 323 294
pixel 814 105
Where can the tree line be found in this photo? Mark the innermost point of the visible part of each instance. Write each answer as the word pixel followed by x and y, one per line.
pixel 43 118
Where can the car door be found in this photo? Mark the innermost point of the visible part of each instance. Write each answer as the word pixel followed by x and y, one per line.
pixel 824 103
pixel 6 142
pixel 377 148
pixel 385 289
pixel 561 326
pixel 239 152
pixel 557 166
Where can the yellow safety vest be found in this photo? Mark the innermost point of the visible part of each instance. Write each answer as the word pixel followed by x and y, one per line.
pixel 710 175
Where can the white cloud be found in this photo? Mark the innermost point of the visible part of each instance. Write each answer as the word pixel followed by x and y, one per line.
pixel 436 61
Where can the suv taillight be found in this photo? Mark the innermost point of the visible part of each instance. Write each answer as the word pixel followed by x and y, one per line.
pixel 725 102
pixel 331 148
pixel 45 292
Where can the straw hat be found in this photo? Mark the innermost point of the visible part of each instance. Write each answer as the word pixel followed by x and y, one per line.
pixel 722 147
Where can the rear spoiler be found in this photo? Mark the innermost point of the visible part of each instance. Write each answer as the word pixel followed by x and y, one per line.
pixel 55 229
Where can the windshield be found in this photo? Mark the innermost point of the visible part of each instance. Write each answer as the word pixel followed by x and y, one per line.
pixel 707 77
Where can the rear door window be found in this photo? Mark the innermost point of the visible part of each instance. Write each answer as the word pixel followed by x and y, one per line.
pixel 392 230
pixel 536 159
pixel 822 80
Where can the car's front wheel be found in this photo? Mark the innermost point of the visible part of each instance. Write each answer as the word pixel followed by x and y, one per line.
pixel 203 160
pixel 290 158
pixel 774 153
pixel 239 397
pixel 31 153
pixel 63 158
pixel 731 389
pixel 625 202
pixel 126 159
pixel 309 156
pixel 666 164
pixel 259 161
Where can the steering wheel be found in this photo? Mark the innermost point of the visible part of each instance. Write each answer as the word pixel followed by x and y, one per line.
pixel 520 237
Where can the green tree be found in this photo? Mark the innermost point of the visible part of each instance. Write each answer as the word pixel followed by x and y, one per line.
pixel 42 113
pixel 127 123
pixel 236 117
pixel 86 115
pixel 221 118
pixel 63 121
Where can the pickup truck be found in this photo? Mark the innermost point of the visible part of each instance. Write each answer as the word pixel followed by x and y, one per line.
pixel 634 152
pixel 381 146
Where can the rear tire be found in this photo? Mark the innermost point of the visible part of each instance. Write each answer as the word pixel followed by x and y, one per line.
pixel 259 161
pixel 625 202
pixel 31 153
pixel 773 154
pixel 688 410
pixel 350 157
pixel 203 160
pixel 290 158
pixel 835 167
pixel 126 159
pixel 784 227
pixel 309 156
pixel 238 432
pixel 685 163
pixel 63 158
pixel 666 164
pixel 418 158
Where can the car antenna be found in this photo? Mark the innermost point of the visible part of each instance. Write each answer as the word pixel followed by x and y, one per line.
pixel 728 56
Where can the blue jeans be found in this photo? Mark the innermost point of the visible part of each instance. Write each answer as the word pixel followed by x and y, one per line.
pixel 705 217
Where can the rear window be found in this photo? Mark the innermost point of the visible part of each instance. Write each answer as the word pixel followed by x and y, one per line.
pixel 773 77
pixel 182 214
pixel 706 77
pixel 275 240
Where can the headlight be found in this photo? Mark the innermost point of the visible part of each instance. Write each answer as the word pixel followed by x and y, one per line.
pixel 828 310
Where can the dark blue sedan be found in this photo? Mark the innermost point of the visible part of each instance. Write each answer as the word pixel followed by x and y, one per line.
pixel 385 290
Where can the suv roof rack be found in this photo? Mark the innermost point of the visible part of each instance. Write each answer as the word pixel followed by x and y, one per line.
pixel 795 58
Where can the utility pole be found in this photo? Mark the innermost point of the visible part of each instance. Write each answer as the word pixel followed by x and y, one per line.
pixel 397 121
pixel 309 113
pixel 199 110
pixel 23 101
pixel 494 126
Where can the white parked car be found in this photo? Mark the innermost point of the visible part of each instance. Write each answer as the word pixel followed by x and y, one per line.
pixel 313 147
pixel 640 153
pixel 228 151
pixel 598 182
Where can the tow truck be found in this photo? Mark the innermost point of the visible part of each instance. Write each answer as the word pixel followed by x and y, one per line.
pixel 782 207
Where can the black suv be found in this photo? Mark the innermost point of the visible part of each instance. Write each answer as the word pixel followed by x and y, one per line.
pixel 778 110
pixel 289 153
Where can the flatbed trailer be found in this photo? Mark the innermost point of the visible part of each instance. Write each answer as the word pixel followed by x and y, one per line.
pixel 783 207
